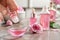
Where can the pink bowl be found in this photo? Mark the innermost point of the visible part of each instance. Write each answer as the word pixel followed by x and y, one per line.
pixel 17 32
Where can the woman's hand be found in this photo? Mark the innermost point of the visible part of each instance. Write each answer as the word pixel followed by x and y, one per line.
pixel 11 4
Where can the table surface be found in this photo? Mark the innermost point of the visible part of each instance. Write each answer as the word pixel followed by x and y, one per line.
pixel 45 35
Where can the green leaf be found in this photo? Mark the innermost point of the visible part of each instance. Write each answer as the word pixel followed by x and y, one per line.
pixel 51 24
pixel 55 25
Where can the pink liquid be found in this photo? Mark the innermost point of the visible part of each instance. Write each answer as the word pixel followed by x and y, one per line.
pixel 52 15
pixel 18 32
pixel 32 20
pixel 44 21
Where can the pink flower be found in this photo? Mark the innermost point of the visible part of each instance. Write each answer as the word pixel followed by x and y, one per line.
pixel 36 28
pixel 57 1
pixel 9 23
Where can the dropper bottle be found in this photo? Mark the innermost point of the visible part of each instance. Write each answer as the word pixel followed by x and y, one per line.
pixel 33 17
pixel 35 27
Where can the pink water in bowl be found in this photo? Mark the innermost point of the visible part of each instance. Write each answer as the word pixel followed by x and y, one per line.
pixel 45 21
pixel 17 32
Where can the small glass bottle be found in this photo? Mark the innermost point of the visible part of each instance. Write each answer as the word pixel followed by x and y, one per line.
pixel 45 18
pixel 35 27
pixel 33 17
pixel 52 12
pixel 21 15
pixel 14 17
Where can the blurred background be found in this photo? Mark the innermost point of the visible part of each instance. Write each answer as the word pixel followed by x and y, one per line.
pixel 37 4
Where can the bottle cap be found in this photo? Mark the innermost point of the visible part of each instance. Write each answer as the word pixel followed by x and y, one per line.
pixel 45 10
